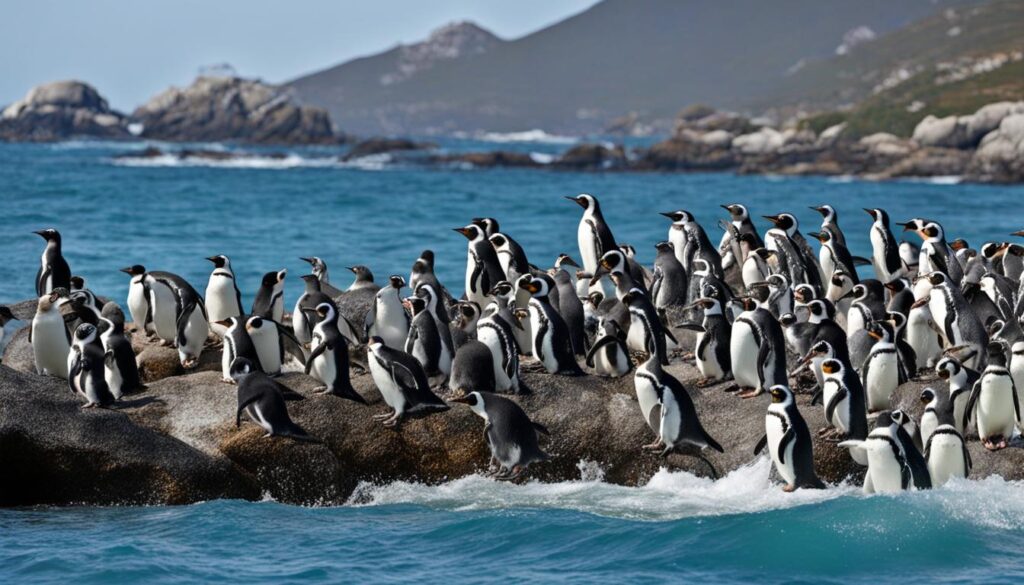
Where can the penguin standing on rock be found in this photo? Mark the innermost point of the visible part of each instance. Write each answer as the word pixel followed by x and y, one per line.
pixel 272 341
pixel 138 299
pixel 263 400
pixel 893 461
pixel 269 302
pixel 945 450
pixel 423 273
pixel 994 401
pixel 789 441
pixel 551 343
pixel 511 435
pixel 958 323
pixel 670 285
pixel 122 370
pixel 472 369
pixel 86 368
pixel 571 309
pixel 49 336
pixel 609 356
pixel 646 331
pixel 495 330
pixel 961 381
pixel 186 314
pixel 402 383
pixel 328 358
pixel 483 269
pixel 593 235
pixel 237 344
pixel 843 395
pixel 424 341
pixel 223 299
pixel 387 318
pixel 53 268
pixel 712 352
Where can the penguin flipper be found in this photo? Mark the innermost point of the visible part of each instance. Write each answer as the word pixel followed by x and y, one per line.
pixel 860 261
pixel 788 437
pixel 1016 403
pixel 75 369
pixel 857 450
pixel 317 352
pixel 833 402
pixel 669 335
pixel 761 444
pixel 540 428
pixel 607 339
pixel 354 329
pixel 290 343
pixel 971 403
pixel 816 397
pixel 242 406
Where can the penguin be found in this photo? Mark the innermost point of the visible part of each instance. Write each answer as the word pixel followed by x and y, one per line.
pixel 994 402
pixel 138 298
pixel 483 270
pixel 319 269
pixel 909 257
pixel 670 285
pixel 86 368
pixel 510 434
pixel 431 297
pixel 758 350
pixel 690 241
pixel 402 383
pixel 936 255
pixel 311 298
pixel 424 340
pixel 920 333
pixel 945 450
pixel 755 267
pixel 780 295
pixel 614 263
pixel 740 220
pixel 830 223
pixel 423 273
pixel 894 463
pixel 712 351
pixel 646 332
pixel 122 370
pixel 472 369
pixel 868 305
pixel 961 381
pixel 263 400
pixel 958 324
pixel 488 224
pixel 49 336
pixel 609 356
pixel 53 268
pixel 467 316
pixel 786 241
pixel 936 402
pixel 328 359
pixel 269 301
pixel 272 341
pixel 363 278
pixel 789 441
pixel 843 393
pixel 908 358
pixel 834 256
pixel 511 256
pixel 223 299
pixel 882 371
pixel 551 344
pixel 495 330
pixel 571 309
pixel 388 319
pixel 87 297
pixel 885 254
pixel 237 344
pixel 901 296
pixel 190 324
pixel 593 235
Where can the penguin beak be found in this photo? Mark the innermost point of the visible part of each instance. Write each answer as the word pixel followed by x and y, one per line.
pixel 576 200
pixel 307 260
pixel 817 236
pixel 211 259
pixel 870 212
pixel 351 269
pixel 875 335
pixel 127 270
pixel 668 214
pixel 225 323
pixel 907 227
pixel 774 219
pixel 567 261
pixel 464 231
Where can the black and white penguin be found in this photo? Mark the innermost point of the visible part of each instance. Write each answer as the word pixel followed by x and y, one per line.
pixel 328 357
pixel 495 330
pixel 945 450
pixel 868 305
pixel 122 370
pixel 910 255
pixel 834 256
pixel 843 396
pixel 936 255
pixel 994 401
pixel 758 350
pixel 319 269
pixel 310 299
pixel 511 256
pixel 269 301
pixel 472 369
pixel 363 279
pixel 795 253
pixel 483 269
pixel 614 263
pixel 237 344
pixel 882 371
pixel 570 307
pixel 53 268
pixel 433 302
pixel 424 340
pixel 186 313
pixel 138 299
pixel 893 461
pixel 423 273
pixel 690 241
pixel 609 356
pixel 593 234
pixel 263 400
pixel 223 299
pixel 885 253
pixel 402 383
pixel 387 318
pixel 511 435
pixel 490 225
pixel 551 344
pixel 273 341
pixel 789 441
pixel 936 402
pixel 79 291
pixel 647 334
pixel 741 223
pixel 49 336
pixel 960 380
pixel 86 368
pixel 830 223
pixel 958 323
pixel 671 284
pixel 464 322
pixel 901 296
pixel 711 351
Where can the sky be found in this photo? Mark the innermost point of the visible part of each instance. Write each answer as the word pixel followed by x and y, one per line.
pixel 132 49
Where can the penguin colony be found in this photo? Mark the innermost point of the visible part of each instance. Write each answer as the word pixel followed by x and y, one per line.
pixel 767 312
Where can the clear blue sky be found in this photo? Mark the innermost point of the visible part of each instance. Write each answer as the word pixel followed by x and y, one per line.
pixel 131 49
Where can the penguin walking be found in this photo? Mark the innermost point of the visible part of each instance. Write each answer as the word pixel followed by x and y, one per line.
pixel 609 356
pixel 424 340
pixel 551 344
pixel 237 344
pixel 994 402
pixel 593 235
pixel 894 462
pixel 495 330
pixel 388 319
pixel 511 436
pixel 483 269
pixel 882 371
pixel 789 441
pixel 49 336
pixel 402 383
pixel 223 299
pixel 269 301
pixel 86 368
pixel 263 400
pixel 186 313
pixel 122 370
pixel 328 359
pixel 53 268
pixel 843 395
pixel 712 350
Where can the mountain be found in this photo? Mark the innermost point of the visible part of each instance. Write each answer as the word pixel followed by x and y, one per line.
pixel 620 57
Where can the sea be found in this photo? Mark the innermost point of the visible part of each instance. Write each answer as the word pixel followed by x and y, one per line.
pixel 265 208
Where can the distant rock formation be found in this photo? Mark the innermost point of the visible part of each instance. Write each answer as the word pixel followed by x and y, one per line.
pixel 61 110
pixel 373 146
pixel 233 109
pixel 452 41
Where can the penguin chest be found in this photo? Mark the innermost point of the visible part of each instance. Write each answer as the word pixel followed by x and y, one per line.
pixel 390 323
pixel 197 329
pixel 636 337
pixel 137 303
pixel 929 422
pixel 543 338
pixel 114 380
pixel 841 415
pixel 678 239
pixel 474 276
pixel 878 253
pixel 647 397
pixel 324 368
pixel 164 311
pixel 946 458
pixel 588 247
pixel 50 344
pixel 940 314
pixel 389 389
pixel 671 427
pixel 922 337
pixel 752 272
pixel 611 361
pixel 774 431
pixel 1017 364
pixel 743 349
pixel 883 467
pixel 882 378
pixel 300 325
pixel 854 320
pixel 221 301
pixel 488 334
pixel 707 357
pixel 995 413
pixel 959 400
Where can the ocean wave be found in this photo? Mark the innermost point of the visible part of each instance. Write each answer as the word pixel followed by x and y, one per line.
pixel 290 161
pixel 535 135
pixel 939 180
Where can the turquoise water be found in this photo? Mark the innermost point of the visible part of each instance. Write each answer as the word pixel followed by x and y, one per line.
pixel 265 214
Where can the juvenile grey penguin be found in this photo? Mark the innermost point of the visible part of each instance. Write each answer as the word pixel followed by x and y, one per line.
pixel 122 370
pixel 472 369
pixel 511 435
pixel 328 358
pixel 402 383
pixel 551 343
pixel 269 301
pixel 53 268
pixel 571 309
pixel 789 441
pixel 593 235
pixel 263 400
pixel 86 369
pixel 387 318
pixel 424 340
pixel 363 279
pixel 223 299
pixel 483 269
pixel 237 344
pixel 671 283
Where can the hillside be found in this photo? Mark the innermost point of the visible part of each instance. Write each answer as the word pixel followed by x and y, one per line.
pixel 646 57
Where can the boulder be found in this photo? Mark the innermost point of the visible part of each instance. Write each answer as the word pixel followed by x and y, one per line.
pixel 948 132
pixel 1000 156
pixel 687 153
pixel 228 108
pixel 831 134
pixel 592 157
pixel 717 138
pixel 374 146
pixel 496 158
pixel 61 110
pixel 923 162
pixel 763 141
pixel 883 143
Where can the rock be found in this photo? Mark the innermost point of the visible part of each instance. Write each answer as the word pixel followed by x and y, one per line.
pixel 233 109
pixel 946 132
pixel 372 146
pixel 829 135
pixel 924 162
pixel 61 110
pixel 592 157
pixel 695 112
pixel 717 138
pixel 151 152
pixel 885 144
pixel 763 141
pixel 987 119
pixel 498 158
pixel 1000 157
pixel 687 153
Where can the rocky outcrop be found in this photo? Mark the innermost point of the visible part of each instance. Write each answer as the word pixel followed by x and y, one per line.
pixel 1000 157
pixel 964 131
pixel 374 146
pixel 233 109
pixel 61 110
pixel 592 157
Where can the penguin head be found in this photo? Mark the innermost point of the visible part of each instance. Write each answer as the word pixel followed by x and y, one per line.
pixel 500 290
pixel 415 304
pixel 912 225
pixel 961 244
pixel 787 320
pixel 596 298
pixel 948 367
pixel 428 294
pixel 375 343
pixel 474 400
pixel 784 221
pixel 932 230
pixel 396 282
pixel 928 395
pixel 822 349
pixel 818 310
pixel 272 279
pixel 898 417
pixel 57 296
pixel 85 333
pixel 896 285
pixel 881 331
pixel 6 316
pixel 230 323
pixel 998 350
pixel 363 273
pixel 804 293
pixel 77 283
pixel 680 216
pixel 468 315
pixel 255 324
pixel 898 320
pixel 832 367
pixel 737 211
pixel 632 297
pixel 535 285
pixel 499 241
pixel 488 224
pixel 937 278
pixel 760 291
pixel 49 234
pixel 886 419
pixel 565 260
pixel 628 250
pixel 781 394
pixel 824 236
pixel 778 282
pixel 585 201
pixel 314 262
pixel 312 282
pixel 425 263
pixel 134 270
pixel 878 215
pixel 240 367
pixel 325 311
pixel 472 232
pixel 220 261
pixel 612 261
pixel 828 213
pixel 989 250
pixel 665 248
pixel 746 303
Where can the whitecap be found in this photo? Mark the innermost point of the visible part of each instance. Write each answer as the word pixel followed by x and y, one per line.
pixel 290 161
pixel 535 135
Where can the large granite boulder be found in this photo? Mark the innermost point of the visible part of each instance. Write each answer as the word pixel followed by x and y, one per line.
pixel 227 108
pixel 1000 157
pixel 61 110
pixel 945 132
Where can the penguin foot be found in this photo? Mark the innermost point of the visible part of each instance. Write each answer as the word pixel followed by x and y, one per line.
pixel 384 416
pixel 321 390
pixel 750 393
pixel 733 388
pixel 165 343
pixel 705 382
pixel 88 405
pixel 228 381
pixel 655 446
pixel 789 488
pixel 994 443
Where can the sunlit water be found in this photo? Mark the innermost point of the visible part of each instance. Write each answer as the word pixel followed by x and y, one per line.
pixel 265 213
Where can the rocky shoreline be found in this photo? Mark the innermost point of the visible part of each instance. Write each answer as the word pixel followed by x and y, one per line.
pixel 176 442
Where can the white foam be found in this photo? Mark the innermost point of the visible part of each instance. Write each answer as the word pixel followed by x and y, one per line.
pixel 939 180
pixel 535 135
pixel 290 161
pixel 542 158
